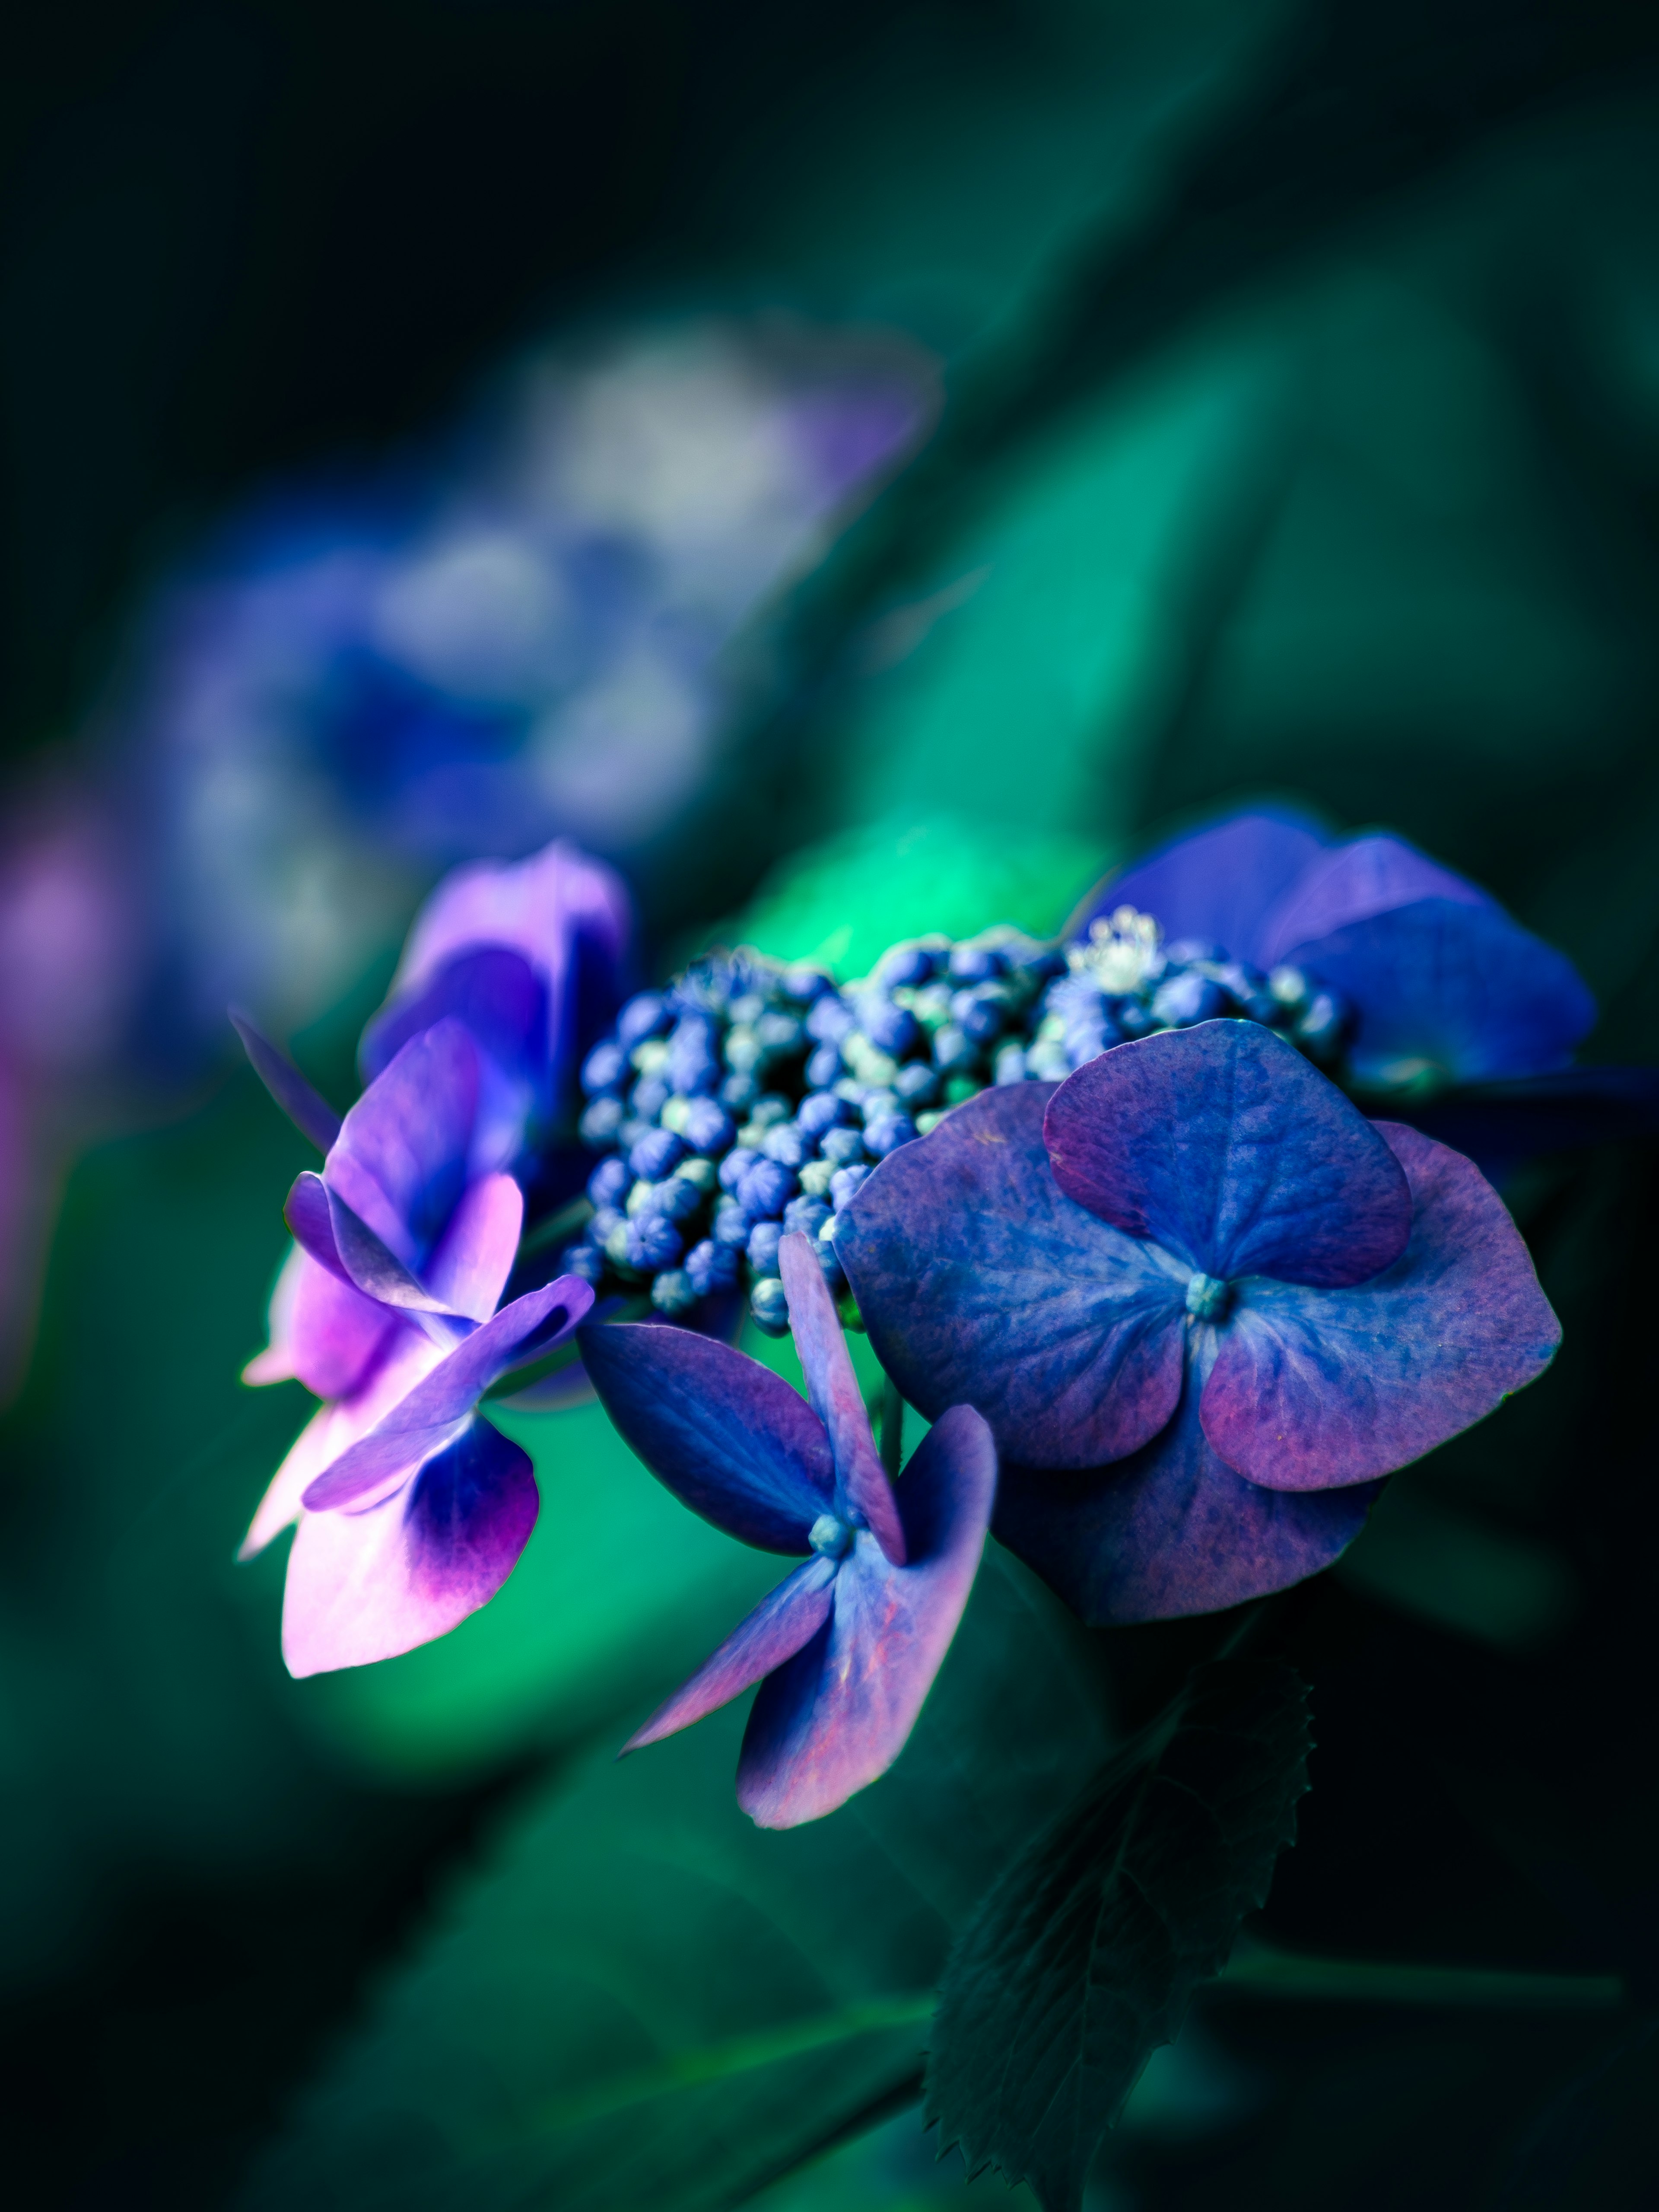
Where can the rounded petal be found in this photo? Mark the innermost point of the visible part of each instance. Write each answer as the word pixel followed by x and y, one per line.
pixel 837 1399
pixel 781 1624
pixel 730 1438
pixel 367 1585
pixel 468 1272
pixel 1223 1146
pixel 1170 1532
pixel 1218 883
pixel 1458 990
pixel 982 1283
pixel 401 1160
pixel 1350 883
pixel 431 1414
pixel 1311 1389
pixel 837 1715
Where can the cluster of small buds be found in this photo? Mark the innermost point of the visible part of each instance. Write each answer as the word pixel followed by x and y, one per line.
pixel 1122 982
pixel 749 1099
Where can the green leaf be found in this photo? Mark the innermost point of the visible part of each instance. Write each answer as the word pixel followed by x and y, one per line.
pixel 1082 1959
pixel 651 2002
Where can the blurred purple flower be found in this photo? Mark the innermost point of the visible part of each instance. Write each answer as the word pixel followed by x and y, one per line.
pixel 1203 1304
pixel 1445 990
pixel 846 1648
pixel 412 1509
pixel 533 633
pixel 532 959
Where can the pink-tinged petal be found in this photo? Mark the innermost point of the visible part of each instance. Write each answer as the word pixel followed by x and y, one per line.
pixel 337 1333
pixel 837 1399
pixel 837 1715
pixel 730 1438
pixel 276 1362
pixel 1222 1145
pixel 401 1161
pixel 367 1585
pixel 430 1416
pixel 1170 1532
pixel 1311 1389
pixel 1217 885
pixel 781 1624
pixel 333 1429
pixel 1350 883
pixel 982 1283
pixel 309 1111
pixel 468 1272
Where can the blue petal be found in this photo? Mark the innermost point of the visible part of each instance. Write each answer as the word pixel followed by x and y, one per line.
pixel 493 993
pixel 401 1160
pixel 729 1437
pixel 1350 883
pixel 1462 990
pixel 789 1617
pixel 1223 1146
pixel 309 1111
pixel 982 1283
pixel 839 1713
pixel 1171 1531
pixel 1219 883
pixel 1315 1388
pixel 1500 1124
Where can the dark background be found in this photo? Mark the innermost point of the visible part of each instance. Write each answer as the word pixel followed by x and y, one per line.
pixel 244 239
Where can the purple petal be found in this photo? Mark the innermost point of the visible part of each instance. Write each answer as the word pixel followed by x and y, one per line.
pixel 310 1224
pixel 331 1430
pixel 309 1111
pixel 336 1332
pixel 432 1414
pixel 377 1272
pixel 721 1316
pixel 1350 883
pixel 468 1272
pixel 837 1715
pixel 1171 1531
pixel 367 1585
pixel 1219 883
pixel 1223 1146
pixel 496 996
pixel 401 1161
pixel 836 1398
pixel 569 916
pixel 1456 989
pixel 731 1439
pixel 780 1625
pixel 981 1283
pixel 1312 1389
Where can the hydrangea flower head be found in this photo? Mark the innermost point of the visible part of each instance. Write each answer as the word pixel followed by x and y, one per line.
pixel 847 1647
pixel 1203 1304
pixel 412 1509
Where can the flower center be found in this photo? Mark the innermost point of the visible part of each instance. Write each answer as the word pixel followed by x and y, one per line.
pixel 1208 1298
pixel 830 1535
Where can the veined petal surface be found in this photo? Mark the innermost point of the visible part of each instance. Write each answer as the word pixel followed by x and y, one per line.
pixel 1222 1145
pixel 731 1439
pixel 368 1584
pixel 1312 1389
pixel 981 1283
pixel 788 1618
pixel 1170 1532
pixel 837 1715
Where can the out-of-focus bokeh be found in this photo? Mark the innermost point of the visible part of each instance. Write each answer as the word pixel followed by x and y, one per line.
pixel 860 469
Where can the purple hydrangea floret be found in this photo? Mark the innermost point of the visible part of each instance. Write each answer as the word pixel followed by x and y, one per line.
pixel 1203 1304
pixel 1468 1019
pixel 847 1647
pixel 412 1509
